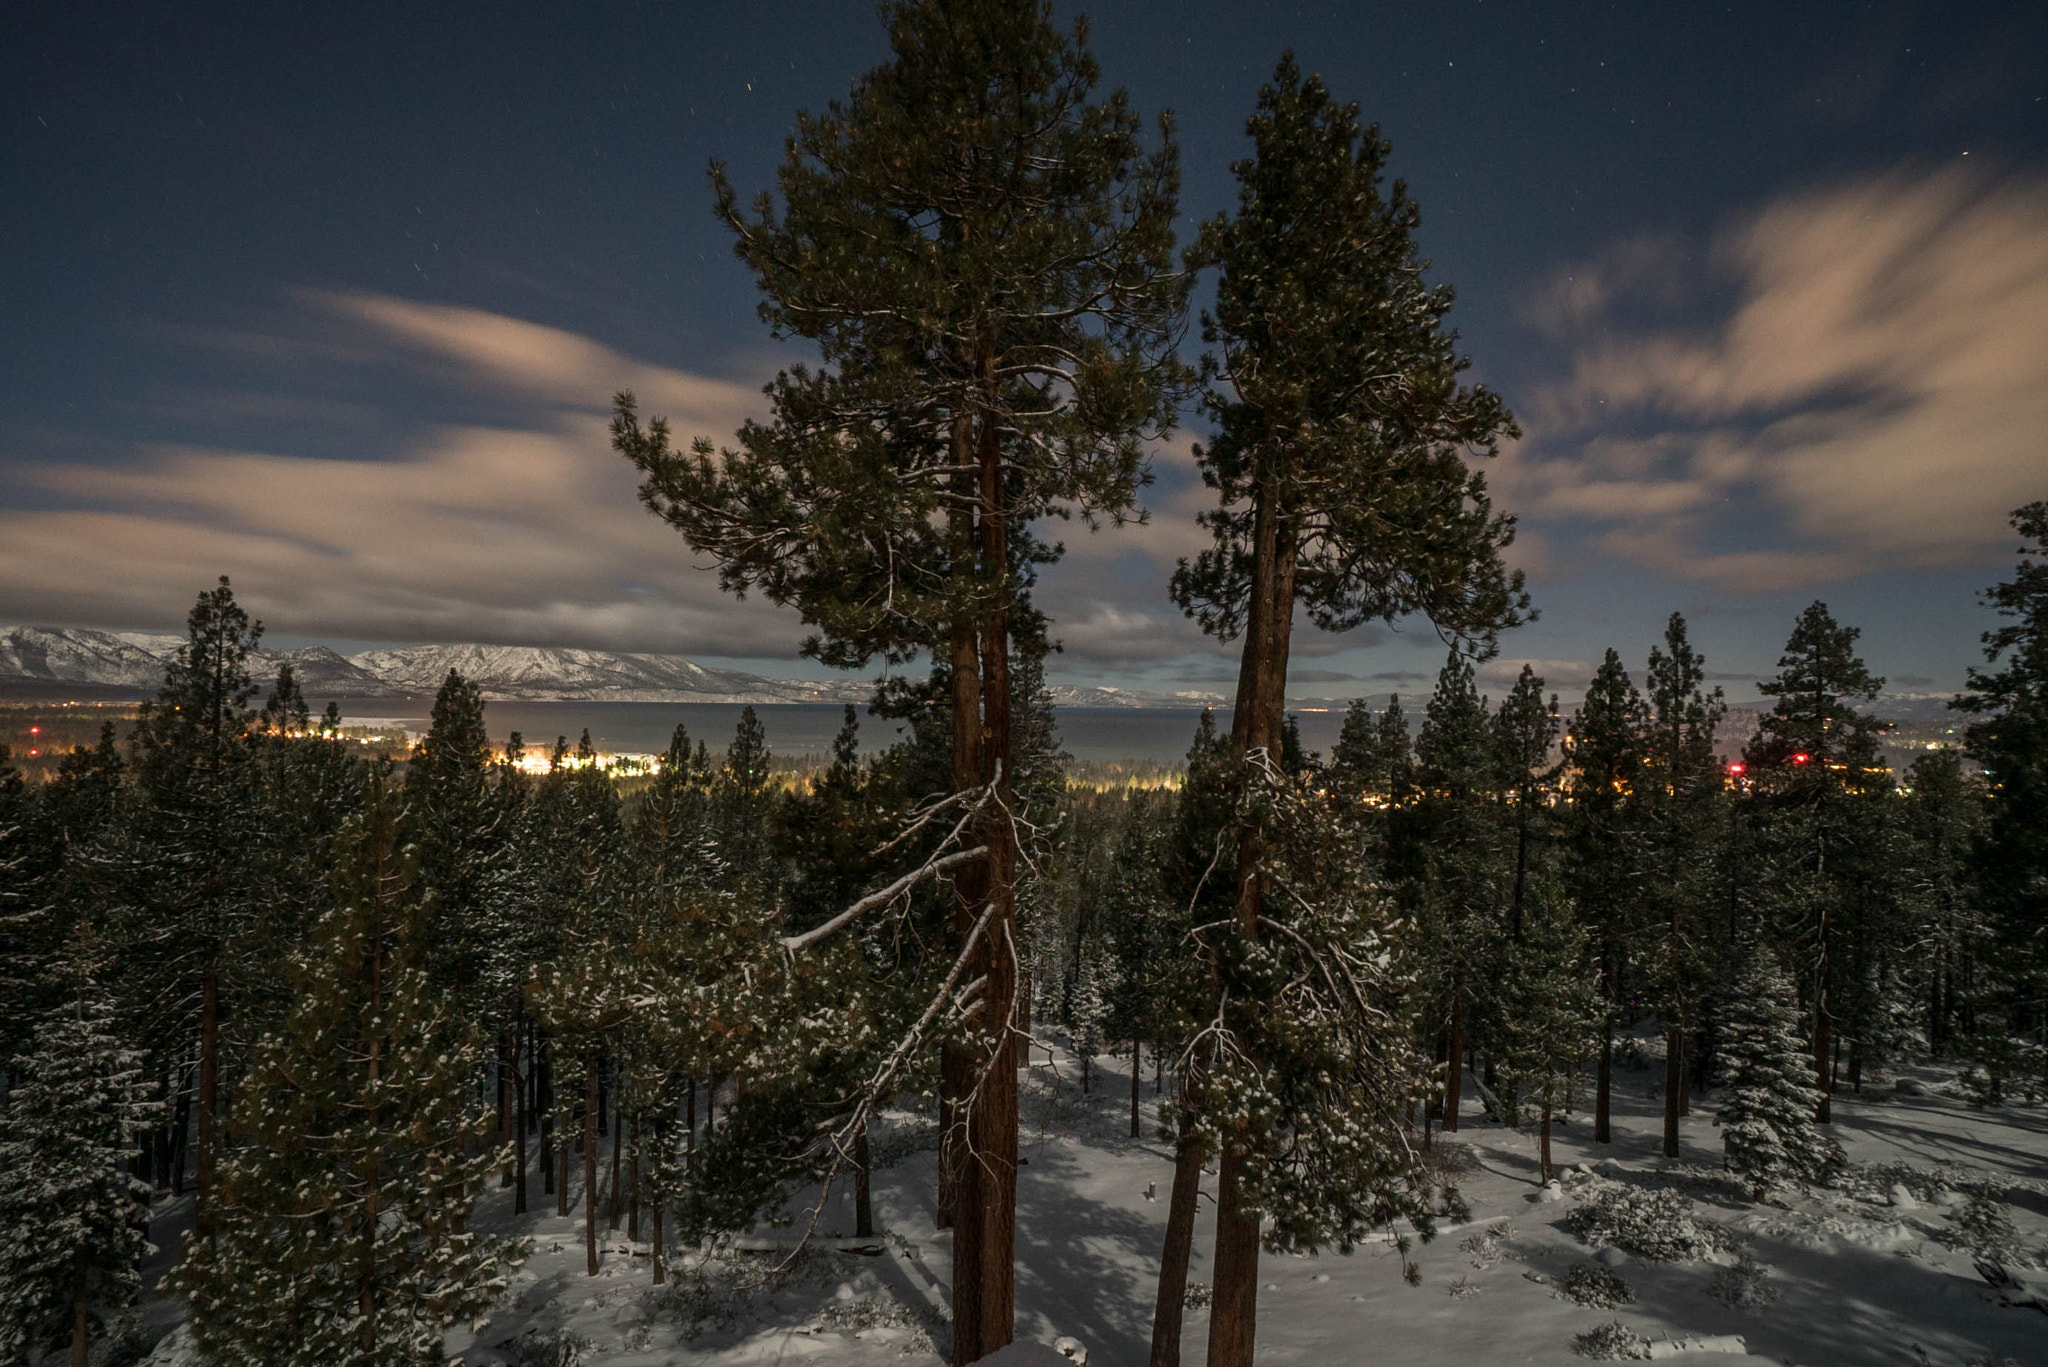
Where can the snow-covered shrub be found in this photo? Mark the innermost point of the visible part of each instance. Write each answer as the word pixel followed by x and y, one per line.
pixel 1462 1289
pixel 1985 1228
pixel 1448 1160
pixel 1612 1342
pixel 1745 1286
pixel 1200 1295
pixel 886 1312
pixel 1653 1224
pixel 1590 1284
pixel 1484 1246
pixel 125 1345
pixel 1874 1181
pixel 887 1148
pixel 555 1347
pixel 720 1292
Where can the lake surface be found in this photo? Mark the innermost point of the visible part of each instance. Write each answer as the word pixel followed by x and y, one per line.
pixel 1159 734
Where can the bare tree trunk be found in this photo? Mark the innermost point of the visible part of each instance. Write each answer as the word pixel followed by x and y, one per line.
pixel 863 1196
pixel 1175 1256
pixel 1543 1146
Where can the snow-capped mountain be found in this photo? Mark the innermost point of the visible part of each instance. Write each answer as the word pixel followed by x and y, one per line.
pixel 59 655
pixel 537 673
pixel 134 659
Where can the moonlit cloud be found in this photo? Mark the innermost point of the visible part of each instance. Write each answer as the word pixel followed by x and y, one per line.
pixel 520 534
pixel 1875 393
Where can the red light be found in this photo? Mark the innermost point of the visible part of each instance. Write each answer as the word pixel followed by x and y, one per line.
pixel 1737 768
pixel 1801 757
pixel 35 730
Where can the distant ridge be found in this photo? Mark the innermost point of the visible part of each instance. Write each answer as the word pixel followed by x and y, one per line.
pixel 59 656
pixel 55 656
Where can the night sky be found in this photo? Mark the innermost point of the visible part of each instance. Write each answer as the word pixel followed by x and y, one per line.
pixel 332 299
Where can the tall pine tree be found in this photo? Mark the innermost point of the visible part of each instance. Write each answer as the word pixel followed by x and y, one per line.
pixel 339 1232
pixel 1339 459
pixel 982 249
pixel 72 1218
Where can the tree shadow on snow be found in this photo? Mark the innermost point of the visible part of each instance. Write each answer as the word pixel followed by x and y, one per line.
pixel 1083 1267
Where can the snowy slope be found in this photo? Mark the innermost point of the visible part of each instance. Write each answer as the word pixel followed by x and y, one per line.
pixel 75 656
pixel 1860 1282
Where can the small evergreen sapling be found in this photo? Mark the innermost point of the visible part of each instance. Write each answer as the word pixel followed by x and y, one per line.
pixel 1551 1020
pixel 1767 1118
pixel 72 1219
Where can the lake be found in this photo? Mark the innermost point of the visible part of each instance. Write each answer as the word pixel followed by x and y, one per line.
pixel 1158 734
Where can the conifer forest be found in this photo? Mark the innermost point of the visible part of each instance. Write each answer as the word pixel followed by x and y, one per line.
pixel 1505 1029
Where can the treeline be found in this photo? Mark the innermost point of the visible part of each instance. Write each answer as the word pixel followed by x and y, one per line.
pixel 342 998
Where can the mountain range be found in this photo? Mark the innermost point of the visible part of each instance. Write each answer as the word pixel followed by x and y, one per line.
pixel 38 658
pixel 32 657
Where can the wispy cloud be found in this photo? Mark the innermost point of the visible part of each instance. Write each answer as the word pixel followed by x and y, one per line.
pixel 527 532
pixel 1864 384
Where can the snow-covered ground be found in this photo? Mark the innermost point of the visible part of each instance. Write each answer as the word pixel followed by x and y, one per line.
pixel 1858 1279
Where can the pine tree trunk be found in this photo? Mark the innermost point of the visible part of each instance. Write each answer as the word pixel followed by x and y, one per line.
pixel 863 1196
pixel 1674 1090
pixel 633 1186
pixel 957 1176
pixel 544 1108
pixel 1176 1255
pixel 519 1123
pixel 81 1333
pixel 1454 1073
pixel 505 1048
pixel 990 1208
pixel 1687 1078
pixel 1603 1086
pixel 658 1245
pixel 1543 1144
pixel 181 1127
pixel 1233 1318
pixel 209 1095
pixel 589 1164
pixel 1823 1041
pixel 614 1207
pixel 1137 1068
pixel 1257 724
pixel 690 1123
